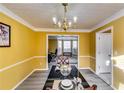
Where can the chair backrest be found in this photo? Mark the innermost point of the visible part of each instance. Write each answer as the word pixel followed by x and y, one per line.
pixel 93 87
pixel 56 51
pixel 63 60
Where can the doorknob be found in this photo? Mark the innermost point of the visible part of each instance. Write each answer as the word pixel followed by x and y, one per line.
pixel 109 55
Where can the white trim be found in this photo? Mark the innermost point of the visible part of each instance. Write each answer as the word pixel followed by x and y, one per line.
pixel 114 88
pixel 12 15
pixel 47 30
pixel 17 63
pixel 118 57
pixel 84 56
pixel 62 35
pixel 61 1
pixel 23 79
pixel 112 30
pixel 110 19
pixel 93 57
pixel 47 51
pixel 92 70
pixel 88 56
pixel 9 13
pixel 85 68
pixel 106 29
pixel 21 62
pixel 78 50
pixel 60 30
pixel 80 30
pixel 101 78
pixel 98 76
pixel 39 56
pixel 41 69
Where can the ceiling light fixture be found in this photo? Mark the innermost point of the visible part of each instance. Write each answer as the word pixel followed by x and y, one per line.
pixel 54 20
pixel 75 19
pixel 65 23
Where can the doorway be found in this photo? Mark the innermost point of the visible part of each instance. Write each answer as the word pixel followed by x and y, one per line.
pixel 104 65
pixel 66 45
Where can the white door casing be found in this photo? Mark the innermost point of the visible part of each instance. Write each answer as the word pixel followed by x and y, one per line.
pixel 62 35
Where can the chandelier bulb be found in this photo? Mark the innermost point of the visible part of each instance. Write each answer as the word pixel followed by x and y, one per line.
pixel 65 23
pixel 54 20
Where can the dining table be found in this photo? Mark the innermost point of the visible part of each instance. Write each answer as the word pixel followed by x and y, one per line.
pixel 55 78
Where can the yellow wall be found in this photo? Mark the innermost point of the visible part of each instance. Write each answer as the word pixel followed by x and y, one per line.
pixel 84 45
pixel 118 49
pixel 52 44
pixel 25 43
pixel 22 47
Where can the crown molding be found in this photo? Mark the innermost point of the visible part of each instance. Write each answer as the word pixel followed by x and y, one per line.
pixel 117 15
pixel 12 15
pixel 9 13
pixel 60 30
pixel 79 30
pixel 47 30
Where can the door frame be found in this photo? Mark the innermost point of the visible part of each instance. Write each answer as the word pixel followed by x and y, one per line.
pixel 62 35
pixel 101 31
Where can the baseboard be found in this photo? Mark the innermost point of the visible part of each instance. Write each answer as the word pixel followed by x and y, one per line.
pixel 114 88
pixel 102 79
pixel 25 78
pixel 84 68
pixel 41 69
pixel 47 69
pixel 92 70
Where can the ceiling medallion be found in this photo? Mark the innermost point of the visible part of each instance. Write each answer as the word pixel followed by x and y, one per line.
pixel 65 23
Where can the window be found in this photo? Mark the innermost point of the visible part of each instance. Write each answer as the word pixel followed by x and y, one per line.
pixel 59 47
pixel 67 46
pixel 74 47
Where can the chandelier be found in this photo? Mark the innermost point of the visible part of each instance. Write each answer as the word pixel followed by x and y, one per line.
pixel 65 23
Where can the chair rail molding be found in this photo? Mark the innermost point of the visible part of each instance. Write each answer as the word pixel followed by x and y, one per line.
pixel 88 57
pixel 20 62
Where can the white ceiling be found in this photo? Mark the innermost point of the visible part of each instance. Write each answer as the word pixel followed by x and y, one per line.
pixel 39 15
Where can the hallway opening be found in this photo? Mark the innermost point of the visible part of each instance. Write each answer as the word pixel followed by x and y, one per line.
pixel 62 45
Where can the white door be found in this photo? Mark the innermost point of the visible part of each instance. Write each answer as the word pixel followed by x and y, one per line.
pixel 103 52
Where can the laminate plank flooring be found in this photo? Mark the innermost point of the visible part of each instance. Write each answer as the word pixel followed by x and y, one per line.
pixel 37 80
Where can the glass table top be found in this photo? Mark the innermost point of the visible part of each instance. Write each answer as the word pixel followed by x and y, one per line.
pixel 55 77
